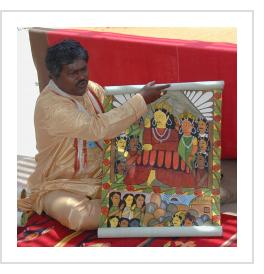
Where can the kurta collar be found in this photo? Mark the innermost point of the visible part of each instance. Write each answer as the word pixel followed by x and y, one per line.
pixel 77 99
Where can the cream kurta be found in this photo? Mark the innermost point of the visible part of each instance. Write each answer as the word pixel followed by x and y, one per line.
pixel 58 123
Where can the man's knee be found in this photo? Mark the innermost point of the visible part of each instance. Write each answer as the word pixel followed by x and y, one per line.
pixel 73 211
pixel 85 216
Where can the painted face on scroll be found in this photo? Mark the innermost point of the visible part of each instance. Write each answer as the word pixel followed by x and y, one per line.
pixel 160 118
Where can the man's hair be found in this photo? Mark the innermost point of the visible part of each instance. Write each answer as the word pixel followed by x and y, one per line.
pixel 64 53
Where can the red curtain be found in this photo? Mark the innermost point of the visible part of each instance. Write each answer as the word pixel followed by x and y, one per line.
pixel 117 59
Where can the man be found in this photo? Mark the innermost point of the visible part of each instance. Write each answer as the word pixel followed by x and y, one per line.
pixel 70 125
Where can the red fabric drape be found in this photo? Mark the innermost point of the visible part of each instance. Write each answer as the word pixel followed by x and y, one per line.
pixel 117 59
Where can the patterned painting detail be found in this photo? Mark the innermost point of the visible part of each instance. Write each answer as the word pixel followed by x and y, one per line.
pixel 164 170
pixel 135 209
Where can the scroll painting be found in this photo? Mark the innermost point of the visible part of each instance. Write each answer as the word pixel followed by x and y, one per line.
pixel 161 175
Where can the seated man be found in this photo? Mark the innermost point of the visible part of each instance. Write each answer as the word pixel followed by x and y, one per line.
pixel 70 124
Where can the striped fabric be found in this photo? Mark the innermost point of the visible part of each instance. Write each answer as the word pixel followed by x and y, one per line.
pixel 25 167
pixel 42 230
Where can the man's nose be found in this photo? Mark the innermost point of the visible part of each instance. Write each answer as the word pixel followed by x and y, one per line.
pixel 81 76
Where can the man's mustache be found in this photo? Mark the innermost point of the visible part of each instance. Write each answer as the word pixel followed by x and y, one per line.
pixel 82 81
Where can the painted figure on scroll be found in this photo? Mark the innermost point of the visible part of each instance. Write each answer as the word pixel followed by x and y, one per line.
pixel 164 160
pixel 114 204
pixel 188 144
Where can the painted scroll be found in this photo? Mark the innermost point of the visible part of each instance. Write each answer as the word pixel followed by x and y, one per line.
pixel 161 175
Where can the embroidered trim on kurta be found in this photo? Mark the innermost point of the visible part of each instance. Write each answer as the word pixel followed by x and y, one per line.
pixel 80 145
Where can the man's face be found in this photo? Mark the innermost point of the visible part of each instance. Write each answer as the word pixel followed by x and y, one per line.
pixel 73 78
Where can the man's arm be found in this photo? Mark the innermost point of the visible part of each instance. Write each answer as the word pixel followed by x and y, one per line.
pixel 66 120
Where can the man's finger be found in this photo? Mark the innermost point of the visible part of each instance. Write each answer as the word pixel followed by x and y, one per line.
pixel 161 87
pixel 150 84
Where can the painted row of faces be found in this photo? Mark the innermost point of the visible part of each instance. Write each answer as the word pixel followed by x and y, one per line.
pixel 181 218
pixel 131 145
pixel 133 211
pixel 185 124
pixel 188 127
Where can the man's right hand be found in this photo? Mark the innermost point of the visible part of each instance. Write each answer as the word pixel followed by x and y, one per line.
pixel 152 92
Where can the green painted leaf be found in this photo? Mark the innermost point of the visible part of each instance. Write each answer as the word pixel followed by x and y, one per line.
pixel 219 106
pixel 104 195
pixel 107 154
pixel 106 179
pixel 216 135
pixel 170 191
pixel 117 186
pixel 207 192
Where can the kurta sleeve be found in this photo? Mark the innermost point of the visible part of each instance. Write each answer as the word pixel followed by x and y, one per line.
pixel 98 90
pixel 66 120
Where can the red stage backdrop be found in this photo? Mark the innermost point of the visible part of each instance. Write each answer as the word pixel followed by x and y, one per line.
pixel 118 59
